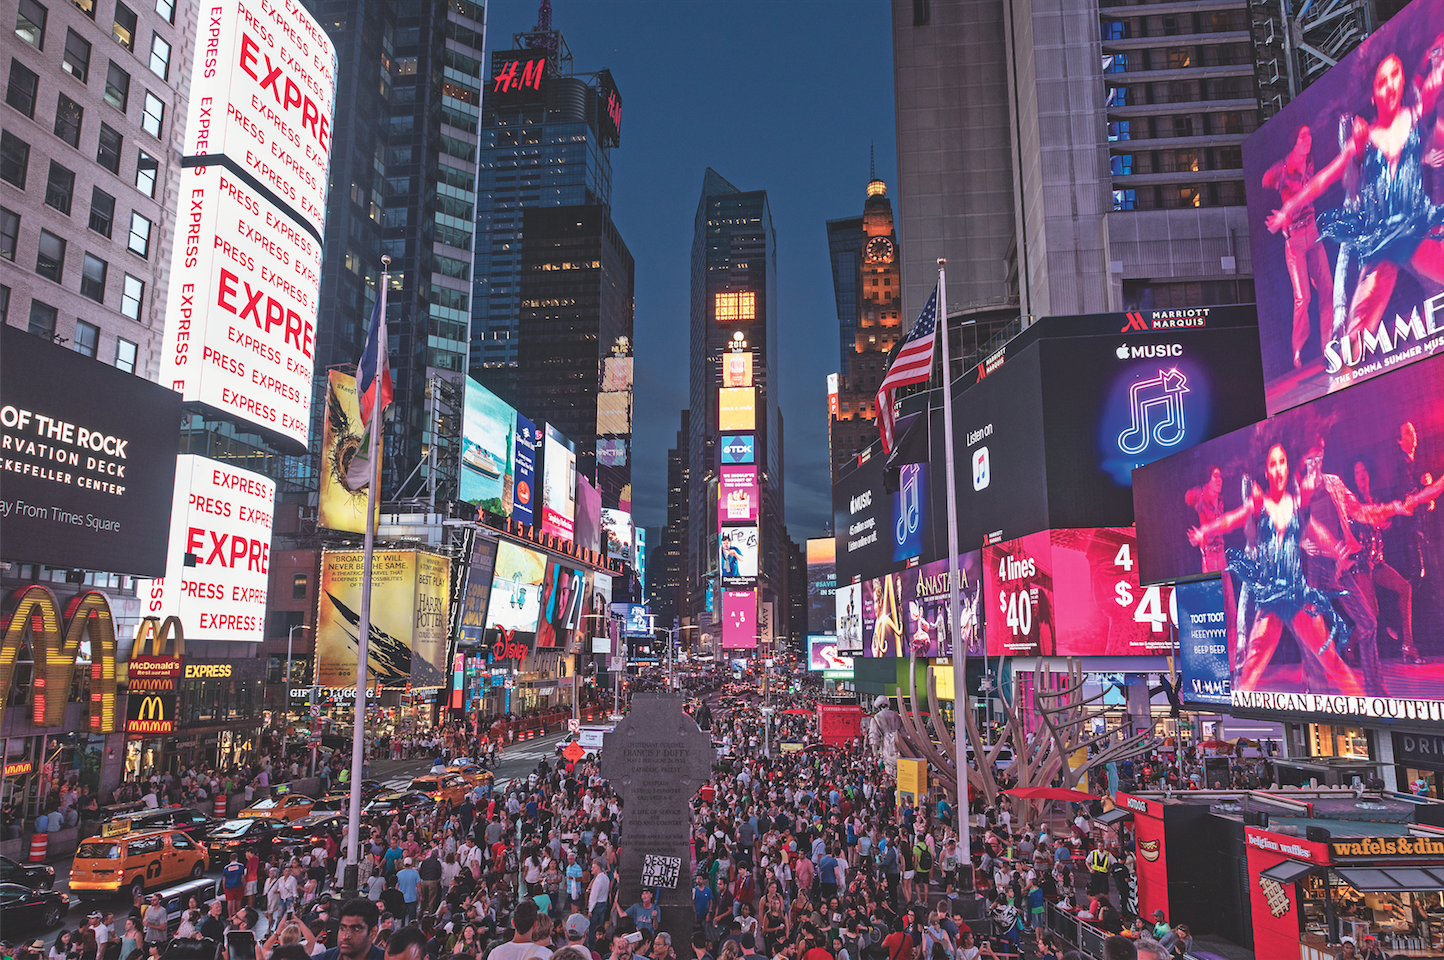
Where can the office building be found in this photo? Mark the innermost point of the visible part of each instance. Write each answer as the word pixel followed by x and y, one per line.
pixel 667 569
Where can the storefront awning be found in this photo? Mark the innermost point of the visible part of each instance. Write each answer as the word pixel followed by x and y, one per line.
pixel 1288 871
pixel 1109 817
pixel 1394 878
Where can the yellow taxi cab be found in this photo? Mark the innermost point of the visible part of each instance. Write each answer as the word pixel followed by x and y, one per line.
pixel 292 806
pixel 146 859
pixel 451 787
pixel 474 774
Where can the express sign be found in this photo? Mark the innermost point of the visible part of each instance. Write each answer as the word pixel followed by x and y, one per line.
pixel 221 517
pixel 262 92
pixel 241 316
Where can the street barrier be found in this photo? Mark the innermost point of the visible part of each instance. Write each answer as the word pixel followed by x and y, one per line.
pixel 38 845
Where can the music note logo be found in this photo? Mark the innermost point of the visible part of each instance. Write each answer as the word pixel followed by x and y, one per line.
pixel 982 471
pixel 909 504
pixel 1149 400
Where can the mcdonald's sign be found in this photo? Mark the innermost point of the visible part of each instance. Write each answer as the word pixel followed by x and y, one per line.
pixel 31 617
pixel 156 671
pixel 150 713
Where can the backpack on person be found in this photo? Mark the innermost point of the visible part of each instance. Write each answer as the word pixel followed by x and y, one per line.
pixel 924 858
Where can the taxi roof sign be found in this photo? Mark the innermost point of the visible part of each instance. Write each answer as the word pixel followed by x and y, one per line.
pixel 115 828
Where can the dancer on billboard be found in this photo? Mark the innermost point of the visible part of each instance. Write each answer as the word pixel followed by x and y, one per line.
pixel 1391 223
pixel 887 631
pixel 1303 253
pixel 1271 572
pixel 1371 538
pixel 1207 499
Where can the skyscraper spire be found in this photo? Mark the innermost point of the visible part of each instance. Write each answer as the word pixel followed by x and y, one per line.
pixel 872 161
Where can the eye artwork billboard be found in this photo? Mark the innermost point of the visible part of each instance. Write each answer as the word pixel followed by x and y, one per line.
pixel 559 484
pixel 1073 593
pixel 739 619
pixel 342 499
pixel 523 502
pixel 221 515
pixel 410 593
pixel 515 610
pixel 736 408
pixel 488 451
pixel 848 609
pixel 737 448
pixel 821 586
pixel 1323 522
pixel 1342 217
pixel 240 326
pixel 562 599
pixel 738 554
pixel 88 457
pixel 262 91
pixel 737 495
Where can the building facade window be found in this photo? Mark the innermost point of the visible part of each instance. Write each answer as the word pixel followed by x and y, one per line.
pixel 76 60
pixel 107 152
pixel 131 293
pixel 9 233
pixel 139 241
pixel 125 355
pixel 159 56
pixel 4 303
pixel 42 319
pixel 102 211
pixel 124 28
pixel 166 8
pixel 298 586
pixel 145 167
pixel 50 258
pixel 30 23
pixel 92 278
pixel 68 117
pixel 150 121
pixel 23 88
pixel 87 338
pixel 117 86
pixel 60 187
pixel 14 158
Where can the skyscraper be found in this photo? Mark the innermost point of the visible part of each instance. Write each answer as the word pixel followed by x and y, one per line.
pixel 667 569
pixel 734 332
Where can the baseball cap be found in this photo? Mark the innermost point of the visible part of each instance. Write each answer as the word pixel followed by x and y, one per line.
pixel 576 926
pixel 406 862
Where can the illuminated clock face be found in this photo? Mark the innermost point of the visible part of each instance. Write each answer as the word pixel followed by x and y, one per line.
pixel 879 249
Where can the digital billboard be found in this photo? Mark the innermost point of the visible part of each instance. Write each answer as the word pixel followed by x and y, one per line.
pixel 636 619
pixel 862 514
pixel 1203 643
pixel 221 517
pixel 738 549
pixel 849 618
pixel 559 484
pixel 618 534
pixel 518 77
pixel 1323 520
pixel 738 448
pixel 488 451
pixel 737 495
pixel 515 603
pixel 596 621
pixel 562 598
pixel 410 594
pixel 882 616
pixel 739 619
pixel 240 326
pixel 925 605
pixel 822 654
pixel 614 413
pixel 609 108
pixel 909 511
pixel 262 91
pixel 821 585
pixel 1073 593
pixel 737 369
pixel 1347 258
pixel 641 564
pixel 344 477
pixel 736 408
pixel 588 526
pixel 88 460
pixel 523 501
pixel 477 591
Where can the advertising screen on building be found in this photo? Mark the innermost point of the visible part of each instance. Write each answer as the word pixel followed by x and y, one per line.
pixel 563 598
pixel 822 654
pixel 732 306
pixel 1346 257
pixel 849 618
pixel 477 591
pixel 821 586
pixel 636 619
pixel 588 526
pixel 1073 593
pixel 344 477
pixel 1323 510
pixel 221 515
pixel 739 619
pixel 410 595
pixel 737 448
pixel 240 326
pixel 738 555
pixel 619 534
pixel 926 602
pixel 262 89
pixel 488 451
pixel 515 606
pixel 737 369
pixel 883 610
pixel 523 501
pixel 909 512
pixel 861 511
pixel 737 408
pixel 596 622
pixel 641 564
pixel 737 495
pixel 1203 642
pixel 518 77
pixel 559 484
pixel 609 108
pixel 88 455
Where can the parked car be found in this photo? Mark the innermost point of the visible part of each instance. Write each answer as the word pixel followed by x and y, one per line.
pixel 448 786
pixel 36 876
pixel 310 831
pixel 400 801
pixel 23 909
pixel 238 836
pixel 292 806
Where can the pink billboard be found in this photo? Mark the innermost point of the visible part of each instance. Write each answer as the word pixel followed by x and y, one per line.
pixel 739 619
pixel 737 495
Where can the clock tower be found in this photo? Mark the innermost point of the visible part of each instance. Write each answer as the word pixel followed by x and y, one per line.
pixel 878 327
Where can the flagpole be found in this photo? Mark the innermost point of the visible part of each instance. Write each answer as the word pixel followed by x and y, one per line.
pixel 960 689
pixel 363 636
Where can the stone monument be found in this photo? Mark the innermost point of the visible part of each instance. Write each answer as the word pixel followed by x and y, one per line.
pixel 656 759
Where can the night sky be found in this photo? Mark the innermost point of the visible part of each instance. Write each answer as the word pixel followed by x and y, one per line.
pixel 782 97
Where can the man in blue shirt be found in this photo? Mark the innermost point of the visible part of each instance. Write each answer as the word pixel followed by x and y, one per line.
pixel 702 901
pixel 646 915
pixel 408 880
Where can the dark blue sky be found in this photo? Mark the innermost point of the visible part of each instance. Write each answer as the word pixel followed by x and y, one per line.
pixel 776 96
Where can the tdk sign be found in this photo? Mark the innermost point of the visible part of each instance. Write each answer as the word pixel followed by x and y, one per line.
pixel 737 449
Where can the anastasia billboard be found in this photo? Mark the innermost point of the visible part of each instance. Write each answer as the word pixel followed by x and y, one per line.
pixel 1322 522
pixel 1344 216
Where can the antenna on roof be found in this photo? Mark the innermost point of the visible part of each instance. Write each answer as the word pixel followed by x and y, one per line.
pixel 871 155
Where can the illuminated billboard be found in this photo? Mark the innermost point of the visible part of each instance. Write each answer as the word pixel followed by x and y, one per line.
pixel 1203 643
pixel 488 451
pixel 523 507
pixel 240 325
pixel 736 408
pixel 344 478
pixel 636 619
pixel 883 611
pixel 730 307
pixel 1347 259
pixel 477 591
pixel 739 619
pixel 641 564
pixel 588 526
pixel 821 586
pixel 737 369
pixel 410 596
pixel 822 654
pixel 559 484
pixel 515 607
pixel 738 550
pixel 262 91
pixel 737 495
pixel 596 622
pixel 1073 593
pixel 89 459
pixel 220 516
pixel 619 534
pixel 925 605
pixel 1322 520
pixel 562 599
pixel 738 448
pixel 849 618
pixel 518 77
pixel 909 511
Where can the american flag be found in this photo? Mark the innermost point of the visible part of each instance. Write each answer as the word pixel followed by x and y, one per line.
pixel 914 364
